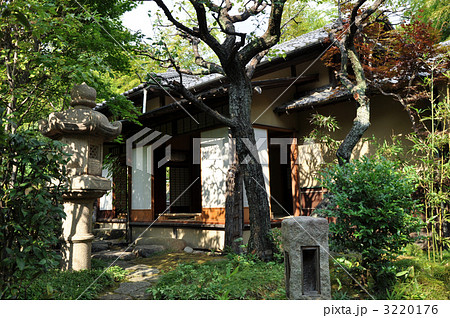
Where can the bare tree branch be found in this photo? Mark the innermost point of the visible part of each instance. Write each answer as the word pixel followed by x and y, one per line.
pixel 369 11
pixel 258 7
pixel 204 33
pixel 417 125
pixel 172 19
pixel 251 66
pixel 199 60
pixel 269 38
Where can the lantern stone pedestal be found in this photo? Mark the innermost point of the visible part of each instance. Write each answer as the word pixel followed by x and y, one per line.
pixel 84 131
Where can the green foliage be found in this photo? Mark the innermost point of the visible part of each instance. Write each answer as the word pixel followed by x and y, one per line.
pixel 66 285
pixel 436 11
pixel 32 179
pixel 278 255
pixel 302 18
pixel 415 277
pixel 373 214
pixel 122 108
pixel 418 278
pixel 47 46
pixel 431 157
pixel 323 126
pixel 239 277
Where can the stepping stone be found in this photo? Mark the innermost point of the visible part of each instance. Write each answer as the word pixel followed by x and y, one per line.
pixel 147 250
pixel 139 267
pixel 112 296
pixel 113 255
pixel 188 249
pixel 145 272
pixel 149 279
pixel 133 289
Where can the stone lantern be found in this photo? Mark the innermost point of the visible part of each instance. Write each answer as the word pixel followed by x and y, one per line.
pixel 83 131
pixel 305 244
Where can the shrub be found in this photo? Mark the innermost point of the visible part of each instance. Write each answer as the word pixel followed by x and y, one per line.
pixel 31 184
pixel 374 213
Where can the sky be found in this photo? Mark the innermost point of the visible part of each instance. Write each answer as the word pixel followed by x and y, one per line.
pixel 138 19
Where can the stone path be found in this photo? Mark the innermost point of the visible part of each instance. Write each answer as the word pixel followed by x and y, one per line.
pixel 143 262
pixel 140 278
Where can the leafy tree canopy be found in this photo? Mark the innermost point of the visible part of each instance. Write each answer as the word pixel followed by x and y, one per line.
pixel 47 46
pixel 435 11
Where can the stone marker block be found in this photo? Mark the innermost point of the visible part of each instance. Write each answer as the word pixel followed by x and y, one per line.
pixel 305 243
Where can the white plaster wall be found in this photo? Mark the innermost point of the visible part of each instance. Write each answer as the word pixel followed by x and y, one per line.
pixel 106 199
pixel 141 191
pixel 215 151
pixel 215 155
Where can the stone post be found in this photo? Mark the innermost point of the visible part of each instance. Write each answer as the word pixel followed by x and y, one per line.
pixel 83 131
pixel 305 244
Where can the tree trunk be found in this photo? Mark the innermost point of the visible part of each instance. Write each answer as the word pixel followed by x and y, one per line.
pixel 240 100
pixel 360 125
pixel 234 218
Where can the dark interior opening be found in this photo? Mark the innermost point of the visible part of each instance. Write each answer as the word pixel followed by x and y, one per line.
pixel 280 178
pixel 173 178
pixel 310 260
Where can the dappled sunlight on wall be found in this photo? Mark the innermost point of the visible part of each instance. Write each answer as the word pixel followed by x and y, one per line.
pixel 215 161
pixel 140 174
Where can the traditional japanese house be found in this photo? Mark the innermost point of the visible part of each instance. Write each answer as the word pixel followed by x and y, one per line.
pixel 184 197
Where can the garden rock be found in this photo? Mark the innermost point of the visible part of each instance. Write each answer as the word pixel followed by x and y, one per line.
pixel 116 233
pixel 99 246
pixel 188 249
pixel 170 244
pixel 147 250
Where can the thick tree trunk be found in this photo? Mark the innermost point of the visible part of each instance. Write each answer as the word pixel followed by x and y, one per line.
pixel 234 214
pixel 240 100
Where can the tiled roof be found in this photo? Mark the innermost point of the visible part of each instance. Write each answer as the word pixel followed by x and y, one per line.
pixel 320 96
pixel 299 43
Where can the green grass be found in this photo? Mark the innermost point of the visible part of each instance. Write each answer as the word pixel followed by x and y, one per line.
pixel 241 277
pixel 65 285
pixel 237 277
pixel 422 279
pixel 416 278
